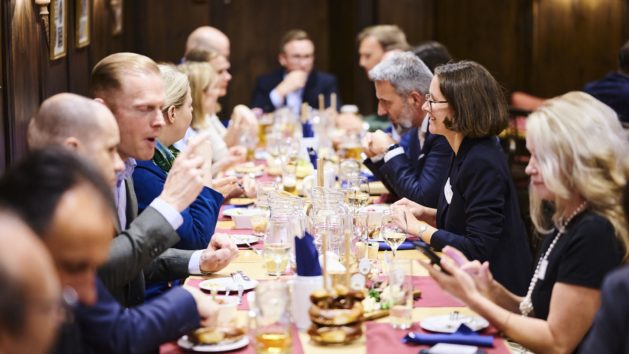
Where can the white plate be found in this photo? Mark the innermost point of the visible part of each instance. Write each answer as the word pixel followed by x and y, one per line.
pixel 242 240
pixel 446 324
pixel 185 343
pixel 221 284
pixel 243 212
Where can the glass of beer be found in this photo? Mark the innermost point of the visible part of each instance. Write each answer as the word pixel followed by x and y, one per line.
pixel 400 293
pixel 289 176
pixel 270 324
pixel 276 250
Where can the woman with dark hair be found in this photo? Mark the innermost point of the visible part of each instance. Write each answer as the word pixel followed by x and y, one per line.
pixel 578 171
pixel 478 209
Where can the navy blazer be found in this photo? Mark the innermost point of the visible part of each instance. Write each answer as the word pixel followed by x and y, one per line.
pixel 199 219
pixel 611 324
pixel 418 174
pixel 318 82
pixel 107 327
pixel 483 218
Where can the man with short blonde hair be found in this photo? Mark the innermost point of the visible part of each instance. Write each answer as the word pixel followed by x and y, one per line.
pixel 375 41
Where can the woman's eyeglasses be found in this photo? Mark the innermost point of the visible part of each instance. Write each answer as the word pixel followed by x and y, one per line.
pixel 431 101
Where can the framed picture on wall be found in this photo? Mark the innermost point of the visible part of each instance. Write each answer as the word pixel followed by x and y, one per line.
pixel 82 23
pixel 116 10
pixel 58 28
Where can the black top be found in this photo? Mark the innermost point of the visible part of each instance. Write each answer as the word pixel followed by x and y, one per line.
pixel 611 324
pixel 582 256
pixel 481 216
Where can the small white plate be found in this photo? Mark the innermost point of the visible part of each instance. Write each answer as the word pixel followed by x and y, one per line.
pixel 242 240
pixel 185 343
pixel 222 284
pixel 448 324
pixel 243 212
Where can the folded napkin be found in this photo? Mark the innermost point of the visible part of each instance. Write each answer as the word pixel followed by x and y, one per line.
pixel 306 256
pixel 406 245
pixel 463 335
pixel 307 130
pixel 370 177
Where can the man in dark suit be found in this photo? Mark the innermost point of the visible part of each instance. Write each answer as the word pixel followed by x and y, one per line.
pixel 297 81
pixel 416 168
pixel 48 189
pixel 136 103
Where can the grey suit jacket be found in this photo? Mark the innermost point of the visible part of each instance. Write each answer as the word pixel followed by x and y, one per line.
pixel 143 246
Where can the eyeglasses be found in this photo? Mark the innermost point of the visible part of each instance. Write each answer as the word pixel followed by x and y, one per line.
pixel 431 101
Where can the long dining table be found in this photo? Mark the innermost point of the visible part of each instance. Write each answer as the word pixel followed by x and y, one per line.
pixel 378 335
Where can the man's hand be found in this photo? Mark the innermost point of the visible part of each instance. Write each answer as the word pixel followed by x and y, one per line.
pixel 235 155
pixel 207 308
pixel 228 187
pixel 293 81
pixel 380 142
pixel 218 254
pixel 187 176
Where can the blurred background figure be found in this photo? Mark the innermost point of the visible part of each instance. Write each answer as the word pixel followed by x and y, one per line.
pixel 31 307
pixel 297 81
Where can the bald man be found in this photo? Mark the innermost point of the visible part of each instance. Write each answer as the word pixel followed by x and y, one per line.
pixel 48 189
pixel 208 38
pixel 30 295
pixel 89 127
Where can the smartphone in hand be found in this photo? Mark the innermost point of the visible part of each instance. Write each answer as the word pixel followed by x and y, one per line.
pixel 424 248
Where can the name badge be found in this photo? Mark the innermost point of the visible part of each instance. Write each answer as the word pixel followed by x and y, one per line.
pixel 447 190
pixel 542 269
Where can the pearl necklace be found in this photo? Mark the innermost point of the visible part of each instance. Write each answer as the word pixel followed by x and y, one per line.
pixel 526 306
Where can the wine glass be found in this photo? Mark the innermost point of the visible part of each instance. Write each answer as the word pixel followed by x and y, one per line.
pixel 391 232
pixel 356 190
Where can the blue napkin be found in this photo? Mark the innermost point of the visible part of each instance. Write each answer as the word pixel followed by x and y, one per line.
pixel 406 245
pixel 463 335
pixel 370 177
pixel 307 130
pixel 312 155
pixel 307 257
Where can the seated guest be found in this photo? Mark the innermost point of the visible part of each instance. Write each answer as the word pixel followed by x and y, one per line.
pixel 226 151
pixel 208 38
pixel 297 81
pixel 478 209
pixel 199 220
pixel 417 170
pixel 432 53
pixel 30 296
pixel 48 189
pixel 578 168
pixel 373 43
pixel 609 330
pixel 613 88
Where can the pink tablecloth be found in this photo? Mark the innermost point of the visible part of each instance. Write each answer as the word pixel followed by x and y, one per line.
pixel 381 338
pixel 432 295
pixel 173 348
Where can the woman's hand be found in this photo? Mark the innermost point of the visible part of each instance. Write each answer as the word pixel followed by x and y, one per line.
pixel 419 211
pixel 480 273
pixel 458 282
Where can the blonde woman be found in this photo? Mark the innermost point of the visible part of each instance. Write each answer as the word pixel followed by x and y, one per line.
pixel 578 167
pixel 204 89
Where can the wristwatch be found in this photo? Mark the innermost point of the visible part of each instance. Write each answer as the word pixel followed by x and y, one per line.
pixel 422 228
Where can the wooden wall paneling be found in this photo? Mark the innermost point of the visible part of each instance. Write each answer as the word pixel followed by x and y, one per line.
pixel 347 19
pixel 24 77
pixel 487 31
pixel 101 32
pixel 163 28
pixel 574 42
pixel 255 29
pixel 415 17
pixel 4 149
pixel 78 58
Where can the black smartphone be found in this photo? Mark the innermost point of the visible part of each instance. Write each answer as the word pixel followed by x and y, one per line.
pixel 424 248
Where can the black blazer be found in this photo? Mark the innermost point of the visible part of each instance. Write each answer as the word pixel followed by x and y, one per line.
pixel 318 82
pixel 418 174
pixel 482 219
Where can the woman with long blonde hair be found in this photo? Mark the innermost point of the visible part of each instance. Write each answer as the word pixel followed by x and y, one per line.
pixel 578 169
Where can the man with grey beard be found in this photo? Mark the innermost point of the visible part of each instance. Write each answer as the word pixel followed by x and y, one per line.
pixel 416 167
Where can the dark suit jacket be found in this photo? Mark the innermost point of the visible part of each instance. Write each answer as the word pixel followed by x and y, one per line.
pixel 483 217
pixel 418 174
pixel 611 324
pixel 143 245
pixel 318 82
pixel 107 327
pixel 613 90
